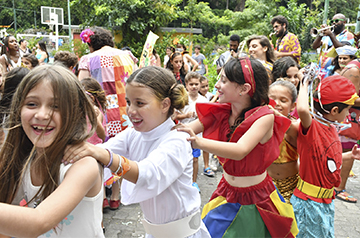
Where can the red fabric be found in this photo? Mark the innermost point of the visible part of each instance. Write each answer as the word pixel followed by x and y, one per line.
pixel 248 74
pixel 319 148
pixel 214 118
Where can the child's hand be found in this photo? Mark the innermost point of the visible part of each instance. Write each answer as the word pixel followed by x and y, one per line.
pixel 74 153
pixel 355 152
pixel 193 138
pixel 190 114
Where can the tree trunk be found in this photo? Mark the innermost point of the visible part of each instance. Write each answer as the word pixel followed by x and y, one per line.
pixel 240 6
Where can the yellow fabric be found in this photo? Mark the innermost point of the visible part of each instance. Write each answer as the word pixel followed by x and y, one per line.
pixel 288 153
pixel 287 186
pixel 351 101
pixel 285 210
pixel 313 190
pixel 218 201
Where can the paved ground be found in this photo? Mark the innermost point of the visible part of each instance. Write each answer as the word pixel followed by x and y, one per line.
pixel 125 222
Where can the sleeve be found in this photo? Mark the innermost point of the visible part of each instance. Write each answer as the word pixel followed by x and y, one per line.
pixel 160 169
pixel 296 48
pixel 119 143
pixel 84 63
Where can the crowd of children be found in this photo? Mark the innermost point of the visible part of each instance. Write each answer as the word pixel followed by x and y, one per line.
pixel 281 158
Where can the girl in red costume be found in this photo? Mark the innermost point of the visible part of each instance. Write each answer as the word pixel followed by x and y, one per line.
pixel 245 134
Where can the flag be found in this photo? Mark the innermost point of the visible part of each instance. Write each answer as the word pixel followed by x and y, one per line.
pixel 148 49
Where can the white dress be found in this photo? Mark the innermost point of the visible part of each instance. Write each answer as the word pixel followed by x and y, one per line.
pixel 164 186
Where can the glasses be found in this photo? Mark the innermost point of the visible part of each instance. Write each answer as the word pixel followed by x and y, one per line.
pixel 336 21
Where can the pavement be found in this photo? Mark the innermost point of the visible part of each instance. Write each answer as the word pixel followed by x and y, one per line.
pixel 126 221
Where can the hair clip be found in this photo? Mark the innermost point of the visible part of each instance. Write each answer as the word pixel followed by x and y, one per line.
pixel 85 35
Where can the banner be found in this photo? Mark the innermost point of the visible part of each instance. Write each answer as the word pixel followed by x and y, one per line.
pixel 148 49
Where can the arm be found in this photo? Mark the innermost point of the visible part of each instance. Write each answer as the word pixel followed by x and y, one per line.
pixel 353 74
pixel 42 58
pixel 100 130
pixel 181 116
pixel 303 106
pixel 236 150
pixel 317 42
pixel 192 61
pixel 4 65
pixel 28 222
pixel 83 74
pixel 353 154
pixel 206 69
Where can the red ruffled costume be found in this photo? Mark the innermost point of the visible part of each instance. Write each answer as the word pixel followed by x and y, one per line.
pixel 277 216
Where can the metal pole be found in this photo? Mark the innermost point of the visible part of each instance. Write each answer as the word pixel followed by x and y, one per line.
pixel 357 28
pixel 326 9
pixel 35 18
pixel 70 35
pixel 14 16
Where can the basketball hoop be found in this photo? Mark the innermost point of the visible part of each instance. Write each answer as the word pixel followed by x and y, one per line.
pixel 51 27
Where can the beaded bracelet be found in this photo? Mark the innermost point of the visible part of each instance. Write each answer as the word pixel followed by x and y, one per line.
pixel 111 159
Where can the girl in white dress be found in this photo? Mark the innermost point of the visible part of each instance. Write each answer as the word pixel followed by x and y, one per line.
pixel 154 160
pixel 49 111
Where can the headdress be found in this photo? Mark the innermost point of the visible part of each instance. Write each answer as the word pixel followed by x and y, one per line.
pixel 248 74
pixel 85 35
pixel 346 50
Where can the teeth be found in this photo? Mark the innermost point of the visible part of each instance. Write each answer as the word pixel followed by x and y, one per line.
pixel 136 120
pixel 40 128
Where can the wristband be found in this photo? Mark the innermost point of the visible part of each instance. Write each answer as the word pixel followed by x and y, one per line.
pixel 111 159
pixel 125 167
pixel 119 167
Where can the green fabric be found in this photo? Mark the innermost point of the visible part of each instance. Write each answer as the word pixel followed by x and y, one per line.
pixel 247 223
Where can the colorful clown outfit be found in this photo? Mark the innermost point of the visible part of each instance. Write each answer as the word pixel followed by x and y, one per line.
pixel 254 211
pixel 320 153
pixel 111 67
pixel 289 43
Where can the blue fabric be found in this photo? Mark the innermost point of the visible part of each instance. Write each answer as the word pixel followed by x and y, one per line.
pixel 219 219
pixel 314 219
pixel 196 153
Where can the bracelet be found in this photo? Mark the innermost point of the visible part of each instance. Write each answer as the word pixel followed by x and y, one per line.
pixel 119 167
pixel 125 167
pixel 111 158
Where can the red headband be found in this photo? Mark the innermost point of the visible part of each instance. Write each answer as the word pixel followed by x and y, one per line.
pixel 248 74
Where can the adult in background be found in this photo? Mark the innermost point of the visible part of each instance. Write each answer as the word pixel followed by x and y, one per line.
pixel 199 58
pixel 111 67
pixel 10 56
pixel 329 40
pixel 287 43
pixel 23 47
pixel 345 54
pixel 232 52
pixel 42 55
pixel 260 48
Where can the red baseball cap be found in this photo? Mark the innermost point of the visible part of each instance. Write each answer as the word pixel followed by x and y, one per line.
pixel 336 89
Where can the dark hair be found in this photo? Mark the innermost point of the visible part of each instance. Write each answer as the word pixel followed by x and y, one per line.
pixel 264 41
pixel 5 50
pixel 93 87
pixel 42 46
pixel 171 48
pixel 21 41
pixel 329 106
pixel 126 48
pixel 32 59
pixel 234 73
pixel 197 47
pixel 335 62
pixel 66 58
pixel 101 38
pixel 290 86
pixel 163 85
pixel 203 78
pixel 235 38
pixel 171 67
pixel 281 65
pixel 191 75
pixel 281 20
pixel 12 80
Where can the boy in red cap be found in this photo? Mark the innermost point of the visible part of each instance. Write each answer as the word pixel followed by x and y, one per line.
pixel 320 150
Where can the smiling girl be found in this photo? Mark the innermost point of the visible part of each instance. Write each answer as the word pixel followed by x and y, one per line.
pixel 56 200
pixel 284 171
pixel 155 161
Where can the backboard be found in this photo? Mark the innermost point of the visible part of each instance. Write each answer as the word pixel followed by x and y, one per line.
pixel 52 15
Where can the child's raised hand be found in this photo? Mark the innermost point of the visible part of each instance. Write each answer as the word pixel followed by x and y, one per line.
pixel 193 138
pixel 355 152
pixel 74 153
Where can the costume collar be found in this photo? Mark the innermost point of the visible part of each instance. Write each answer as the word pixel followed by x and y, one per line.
pixel 158 131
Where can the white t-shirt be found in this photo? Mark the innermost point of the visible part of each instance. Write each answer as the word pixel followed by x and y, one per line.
pixel 192 108
pixel 164 186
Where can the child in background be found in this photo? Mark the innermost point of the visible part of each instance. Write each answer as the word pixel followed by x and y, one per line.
pixel 61 200
pixel 149 150
pixel 188 114
pixel 176 66
pixel 285 170
pixel 245 135
pixel 320 150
